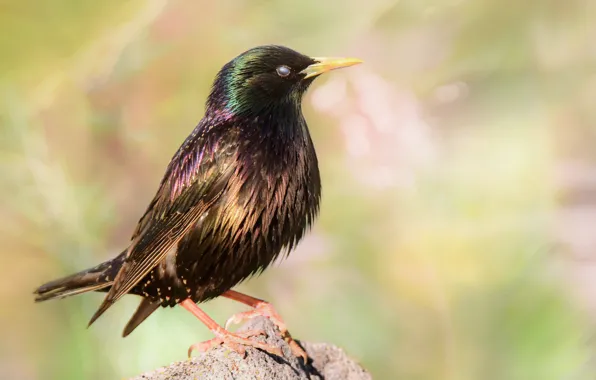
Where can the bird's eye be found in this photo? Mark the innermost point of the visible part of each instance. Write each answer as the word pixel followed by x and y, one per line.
pixel 283 71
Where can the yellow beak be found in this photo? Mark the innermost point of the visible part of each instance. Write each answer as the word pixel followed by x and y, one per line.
pixel 324 64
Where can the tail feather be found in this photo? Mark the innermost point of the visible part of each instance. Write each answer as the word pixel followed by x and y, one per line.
pixel 63 291
pixel 145 309
pixel 96 278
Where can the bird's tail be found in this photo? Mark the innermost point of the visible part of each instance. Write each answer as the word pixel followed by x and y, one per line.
pixel 98 278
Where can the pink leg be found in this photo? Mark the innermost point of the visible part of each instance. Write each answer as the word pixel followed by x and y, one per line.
pixel 235 341
pixel 262 308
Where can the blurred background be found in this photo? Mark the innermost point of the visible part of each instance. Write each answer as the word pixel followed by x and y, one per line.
pixel 457 235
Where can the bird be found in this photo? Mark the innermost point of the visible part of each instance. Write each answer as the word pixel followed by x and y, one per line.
pixel 240 193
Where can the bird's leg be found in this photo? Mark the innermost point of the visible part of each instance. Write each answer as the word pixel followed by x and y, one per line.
pixel 262 308
pixel 235 341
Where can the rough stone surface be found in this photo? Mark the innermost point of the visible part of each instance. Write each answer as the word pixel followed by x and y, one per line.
pixel 326 362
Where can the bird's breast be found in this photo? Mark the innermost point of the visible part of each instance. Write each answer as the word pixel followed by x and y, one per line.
pixel 268 204
pixel 274 197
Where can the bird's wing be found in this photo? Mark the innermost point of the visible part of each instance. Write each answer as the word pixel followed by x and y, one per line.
pixel 194 180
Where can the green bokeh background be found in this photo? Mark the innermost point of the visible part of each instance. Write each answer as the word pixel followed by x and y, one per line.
pixel 457 233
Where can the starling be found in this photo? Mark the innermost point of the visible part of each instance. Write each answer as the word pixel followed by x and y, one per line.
pixel 239 193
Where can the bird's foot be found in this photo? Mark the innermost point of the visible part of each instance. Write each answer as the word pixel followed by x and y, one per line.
pixel 235 341
pixel 265 309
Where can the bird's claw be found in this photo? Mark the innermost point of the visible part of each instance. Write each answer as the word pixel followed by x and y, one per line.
pixel 262 309
pixel 204 346
pixel 250 333
pixel 265 309
pixel 236 342
pixel 296 349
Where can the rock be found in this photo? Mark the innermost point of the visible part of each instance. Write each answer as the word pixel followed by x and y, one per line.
pixel 326 362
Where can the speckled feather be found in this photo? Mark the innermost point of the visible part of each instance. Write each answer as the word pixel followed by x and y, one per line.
pixel 243 188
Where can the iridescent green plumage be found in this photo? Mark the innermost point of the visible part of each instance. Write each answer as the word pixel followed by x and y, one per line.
pixel 249 84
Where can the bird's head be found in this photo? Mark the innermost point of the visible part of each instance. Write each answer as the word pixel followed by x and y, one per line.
pixel 268 77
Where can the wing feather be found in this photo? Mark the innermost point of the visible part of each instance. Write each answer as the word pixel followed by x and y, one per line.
pixel 196 177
